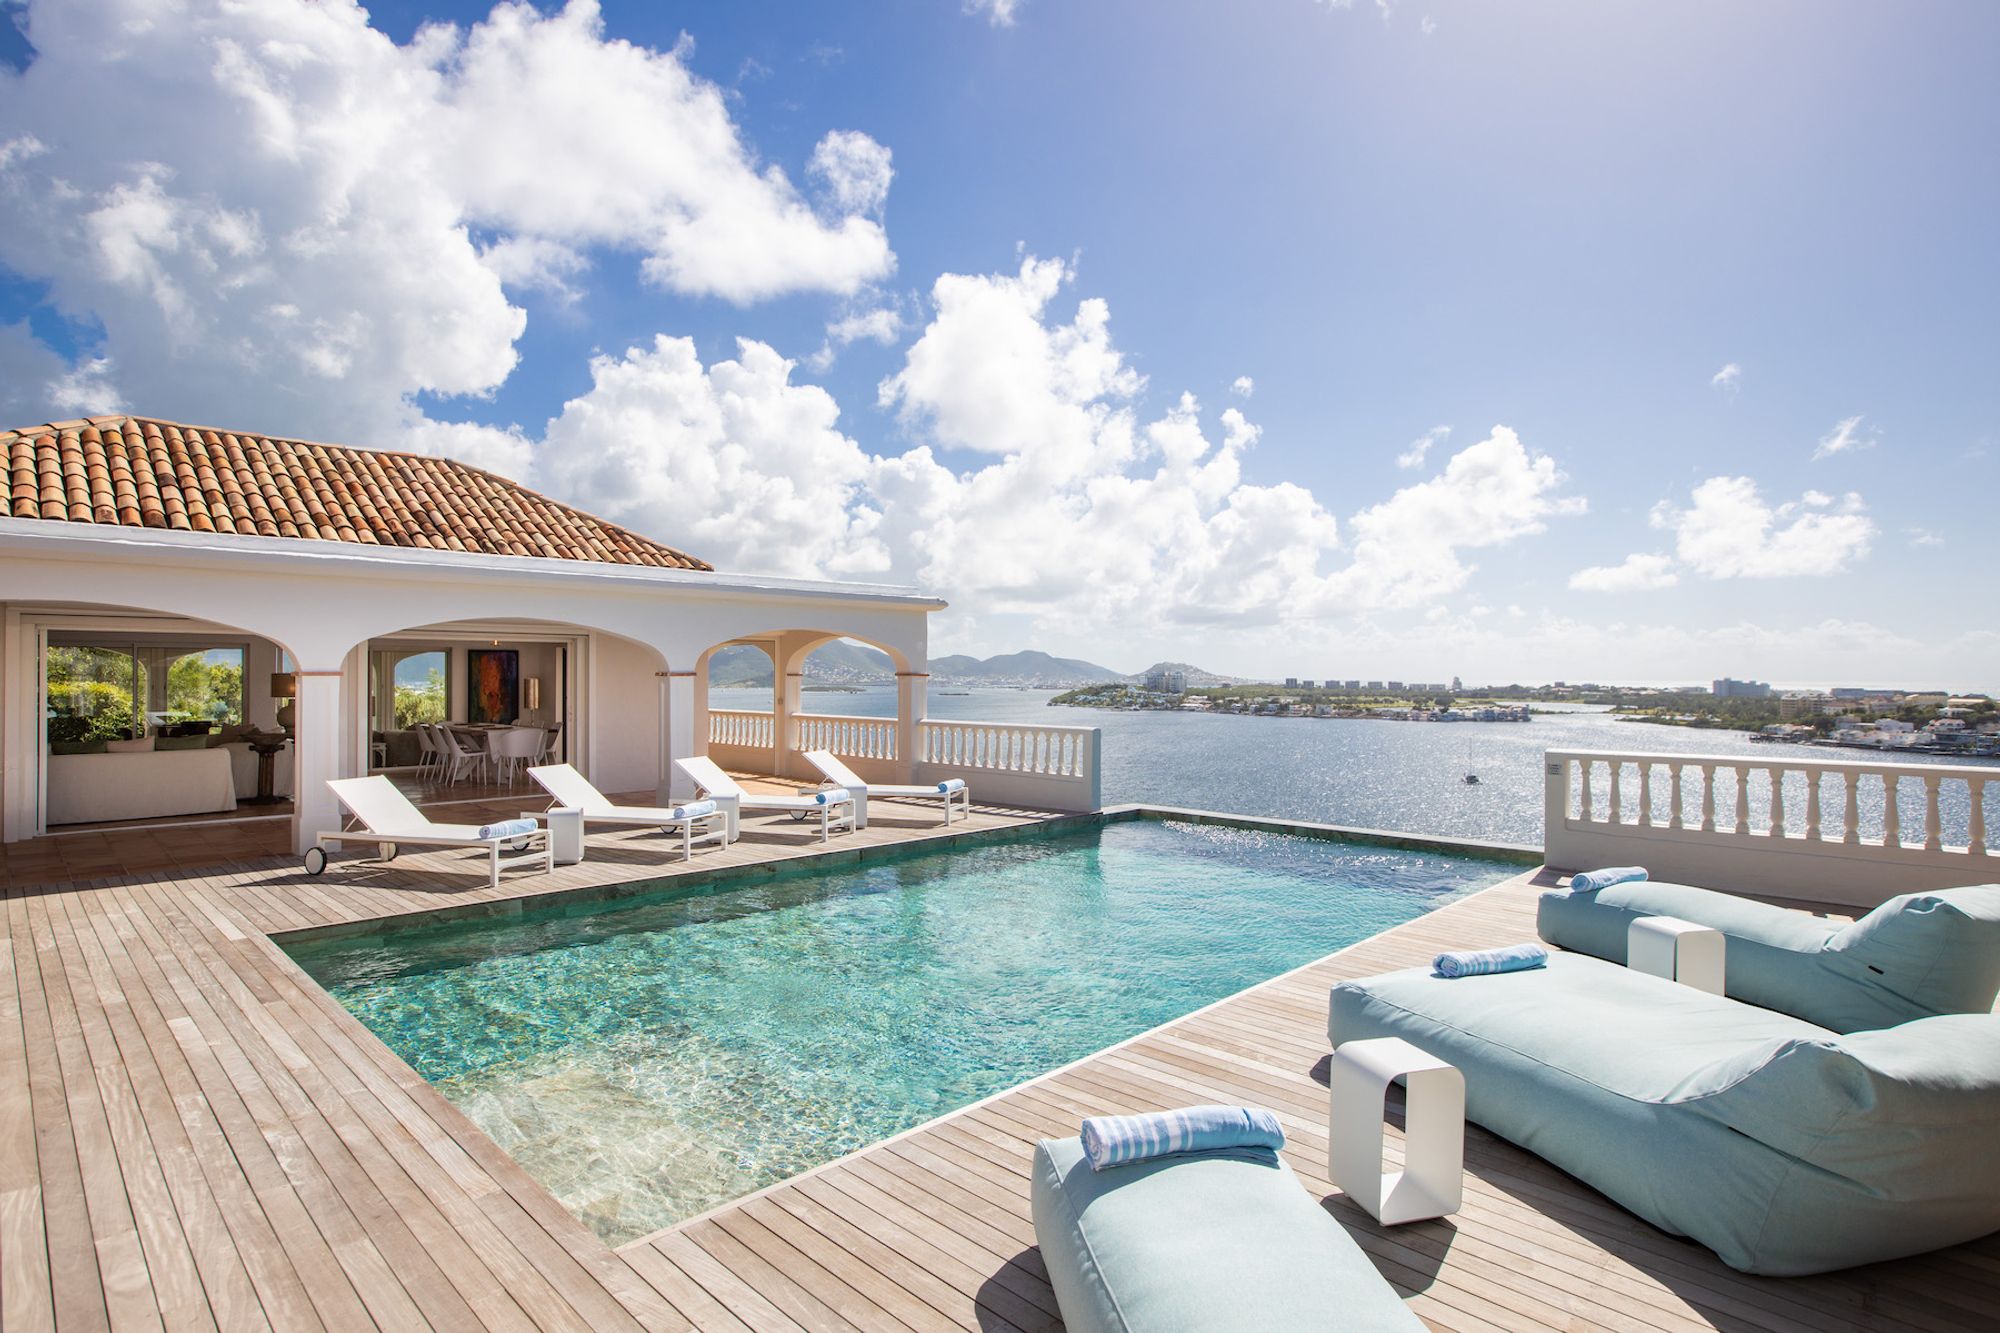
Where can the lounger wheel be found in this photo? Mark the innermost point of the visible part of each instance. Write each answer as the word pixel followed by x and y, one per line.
pixel 315 860
pixel 800 816
pixel 388 851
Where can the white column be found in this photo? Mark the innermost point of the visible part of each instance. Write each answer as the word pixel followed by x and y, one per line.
pixel 316 736
pixel 699 740
pixel 787 702
pixel 912 707
pixel 677 713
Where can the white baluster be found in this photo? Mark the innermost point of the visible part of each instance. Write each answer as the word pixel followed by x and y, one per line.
pixel 1708 798
pixel 1674 781
pixel 1583 768
pixel 1614 815
pixel 1645 794
pixel 1933 832
pixel 1892 817
pixel 1975 827
pixel 1742 799
pixel 1851 811
pixel 1813 777
pixel 1777 802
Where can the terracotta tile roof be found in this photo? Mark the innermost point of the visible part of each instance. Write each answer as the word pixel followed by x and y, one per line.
pixel 138 473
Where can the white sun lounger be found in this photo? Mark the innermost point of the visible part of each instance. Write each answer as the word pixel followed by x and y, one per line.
pixel 389 821
pixel 835 808
pixel 572 789
pixel 840 775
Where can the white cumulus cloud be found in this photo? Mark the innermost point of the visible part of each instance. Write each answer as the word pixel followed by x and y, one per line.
pixel 277 206
pixel 1728 379
pixel 1637 573
pixel 1243 386
pixel 1032 483
pixel 732 461
pixel 1407 549
pixel 1729 531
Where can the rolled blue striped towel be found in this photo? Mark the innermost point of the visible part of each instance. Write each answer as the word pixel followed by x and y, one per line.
pixel 1478 962
pixel 1590 881
pixel 508 828
pixel 952 784
pixel 693 810
pixel 1120 1140
pixel 833 796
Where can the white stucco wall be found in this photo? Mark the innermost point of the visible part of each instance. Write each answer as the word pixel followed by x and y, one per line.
pixel 323 601
pixel 624 715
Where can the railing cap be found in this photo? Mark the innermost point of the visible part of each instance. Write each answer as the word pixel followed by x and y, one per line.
pixel 1967 771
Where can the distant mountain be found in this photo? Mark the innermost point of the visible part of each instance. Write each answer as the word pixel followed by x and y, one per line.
pixel 843 663
pixel 1024 668
pixel 839 663
pixel 1196 678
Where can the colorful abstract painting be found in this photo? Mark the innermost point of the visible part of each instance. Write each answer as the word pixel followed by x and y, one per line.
pixel 492 684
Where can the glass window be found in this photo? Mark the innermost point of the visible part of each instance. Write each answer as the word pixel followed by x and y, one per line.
pixel 420 688
pixel 109 691
pixel 206 686
pixel 95 693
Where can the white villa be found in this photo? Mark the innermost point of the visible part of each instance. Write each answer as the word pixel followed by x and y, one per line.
pixel 1751 1083
pixel 325 574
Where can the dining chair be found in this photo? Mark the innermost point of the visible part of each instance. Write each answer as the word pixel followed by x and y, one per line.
pixel 507 749
pixel 459 758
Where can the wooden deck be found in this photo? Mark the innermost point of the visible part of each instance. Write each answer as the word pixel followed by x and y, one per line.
pixel 193 1135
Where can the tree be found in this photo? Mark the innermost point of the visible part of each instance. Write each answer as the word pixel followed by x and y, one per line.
pixel 423 702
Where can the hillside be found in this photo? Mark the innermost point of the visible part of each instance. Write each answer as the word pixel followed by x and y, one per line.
pixel 846 663
pixel 838 662
pixel 1023 668
pixel 1196 677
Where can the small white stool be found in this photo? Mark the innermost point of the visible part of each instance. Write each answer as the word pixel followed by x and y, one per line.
pixel 1678 950
pixel 1432 1181
pixel 565 834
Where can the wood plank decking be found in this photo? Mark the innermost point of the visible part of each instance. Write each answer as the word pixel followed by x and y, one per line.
pixel 193 1135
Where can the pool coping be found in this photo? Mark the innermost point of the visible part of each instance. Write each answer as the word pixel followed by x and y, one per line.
pixel 834 856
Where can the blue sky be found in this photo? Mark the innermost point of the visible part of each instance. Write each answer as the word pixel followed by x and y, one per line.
pixel 1567 220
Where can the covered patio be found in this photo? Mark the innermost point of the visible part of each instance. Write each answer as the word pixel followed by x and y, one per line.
pixel 365 610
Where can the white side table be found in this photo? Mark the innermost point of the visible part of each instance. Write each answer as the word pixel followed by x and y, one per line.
pixel 565 834
pixel 732 816
pixel 1432 1181
pixel 1678 950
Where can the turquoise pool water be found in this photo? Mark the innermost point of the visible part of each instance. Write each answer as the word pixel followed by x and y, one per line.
pixel 652 1057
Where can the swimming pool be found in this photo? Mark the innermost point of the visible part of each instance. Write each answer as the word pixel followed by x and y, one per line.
pixel 647 1058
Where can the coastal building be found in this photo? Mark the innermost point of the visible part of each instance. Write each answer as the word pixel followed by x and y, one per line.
pixel 1726 688
pixel 311 591
pixel 1166 681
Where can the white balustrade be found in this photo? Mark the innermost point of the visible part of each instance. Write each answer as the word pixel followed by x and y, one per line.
pixel 848 737
pixel 1064 752
pixel 1863 846
pixel 1047 768
pixel 731 726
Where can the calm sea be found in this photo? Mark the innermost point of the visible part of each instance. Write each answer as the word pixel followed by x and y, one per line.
pixel 1406 776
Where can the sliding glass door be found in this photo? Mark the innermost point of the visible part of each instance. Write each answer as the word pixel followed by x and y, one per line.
pixel 105 690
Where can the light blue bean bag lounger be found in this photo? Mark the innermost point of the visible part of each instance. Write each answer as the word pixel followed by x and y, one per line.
pixel 1202 1243
pixel 1921 954
pixel 1783 1146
